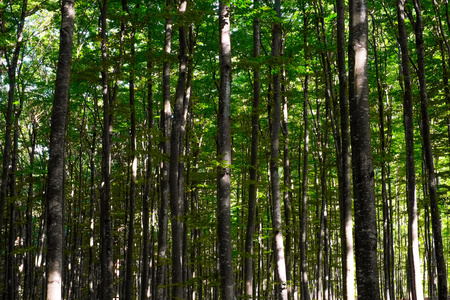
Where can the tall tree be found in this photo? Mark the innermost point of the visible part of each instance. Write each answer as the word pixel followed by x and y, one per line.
pixel 429 161
pixel 12 72
pixel 252 190
pixel 55 187
pixel 148 181
pixel 345 181
pixel 224 154
pixel 363 175
pixel 304 196
pixel 176 195
pixel 413 236
pixel 280 263
pixel 165 130
pixel 106 239
pixel 133 162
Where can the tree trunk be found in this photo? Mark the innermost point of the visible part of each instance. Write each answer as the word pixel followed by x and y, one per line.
pixel 148 181
pixel 387 259
pixel 363 181
pixel 253 161
pixel 165 128
pixel 413 240
pixel 12 66
pixel 278 247
pixel 224 155
pixel 176 198
pixel 106 239
pixel 304 291
pixel 426 131
pixel 133 159
pixel 55 188
pixel 344 185
pixel 28 261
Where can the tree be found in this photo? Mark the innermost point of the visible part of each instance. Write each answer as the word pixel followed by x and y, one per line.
pixel 55 189
pixel 344 164
pixel 107 272
pixel 280 263
pixel 429 161
pixel 165 130
pixel 303 206
pixel 176 140
pixel 224 155
pixel 413 241
pixel 253 160
pixel 363 175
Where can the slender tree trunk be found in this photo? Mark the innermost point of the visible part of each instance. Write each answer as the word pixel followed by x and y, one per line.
pixel 55 188
pixel 176 198
pixel 28 261
pixel 224 155
pixel 363 181
pixel 280 263
pixel 304 291
pixel 432 184
pixel 344 186
pixel 133 159
pixel 12 66
pixel 106 239
pixel 413 237
pixel 185 148
pixel 148 181
pixel 387 259
pixel 92 203
pixel 287 194
pixel 253 161
pixel 165 128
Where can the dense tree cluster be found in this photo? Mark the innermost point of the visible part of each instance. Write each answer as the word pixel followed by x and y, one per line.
pixel 232 149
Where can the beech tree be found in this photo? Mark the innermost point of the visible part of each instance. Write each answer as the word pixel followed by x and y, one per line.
pixel 363 174
pixel 55 189
pixel 224 155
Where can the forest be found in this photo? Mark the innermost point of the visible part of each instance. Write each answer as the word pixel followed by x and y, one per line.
pixel 224 149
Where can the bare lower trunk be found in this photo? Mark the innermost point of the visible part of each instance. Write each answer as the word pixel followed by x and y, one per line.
pixel 165 129
pixel 432 184
pixel 278 246
pixel 413 245
pixel 106 258
pixel 176 197
pixel 304 290
pixel 224 156
pixel 253 162
pixel 344 185
pixel 55 188
pixel 363 181
pixel 133 163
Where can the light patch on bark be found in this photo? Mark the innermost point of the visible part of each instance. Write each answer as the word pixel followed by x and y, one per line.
pixel 54 286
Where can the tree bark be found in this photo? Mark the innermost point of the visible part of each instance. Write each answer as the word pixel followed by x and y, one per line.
pixel 12 66
pixel 413 237
pixel 55 188
pixel 252 192
pixel 224 155
pixel 148 181
pixel 388 260
pixel 165 128
pixel 176 198
pixel 278 246
pixel 106 239
pixel 344 185
pixel 133 161
pixel 432 184
pixel 363 181
pixel 304 291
